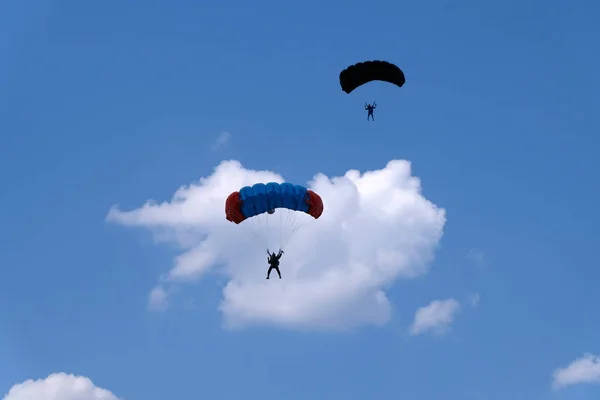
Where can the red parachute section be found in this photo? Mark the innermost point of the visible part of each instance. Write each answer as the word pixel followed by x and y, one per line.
pixel 315 204
pixel 233 206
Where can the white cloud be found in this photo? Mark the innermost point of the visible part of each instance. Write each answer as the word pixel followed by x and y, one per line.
pixel 476 256
pixel 585 369
pixel 59 387
pixel 158 300
pixel 475 299
pixel 376 228
pixel 435 317
pixel 221 141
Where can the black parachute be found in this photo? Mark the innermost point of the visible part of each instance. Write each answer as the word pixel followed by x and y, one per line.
pixel 364 72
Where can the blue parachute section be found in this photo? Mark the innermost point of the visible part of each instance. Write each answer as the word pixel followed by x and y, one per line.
pixel 261 197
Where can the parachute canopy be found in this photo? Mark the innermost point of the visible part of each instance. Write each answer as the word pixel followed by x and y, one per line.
pixel 364 72
pixel 261 198
pixel 272 207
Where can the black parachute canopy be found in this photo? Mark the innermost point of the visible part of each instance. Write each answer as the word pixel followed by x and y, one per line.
pixel 367 71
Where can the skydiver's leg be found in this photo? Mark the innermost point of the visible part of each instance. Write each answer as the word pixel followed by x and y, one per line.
pixel 278 272
pixel 269 272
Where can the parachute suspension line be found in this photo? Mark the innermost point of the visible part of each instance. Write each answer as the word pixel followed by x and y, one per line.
pixel 256 226
pixel 290 222
pixel 248 226
pixel 287 228
pixel 267 223
pixel 295 230
pixel 282 215
pixel 295 222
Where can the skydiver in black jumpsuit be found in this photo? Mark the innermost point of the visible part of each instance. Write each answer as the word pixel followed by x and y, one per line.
pixel 370 109
pixel 273 261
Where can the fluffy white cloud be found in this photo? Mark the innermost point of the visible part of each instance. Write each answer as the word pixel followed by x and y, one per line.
pixel 376 227
pixel 585 369
pixel 59 387
pixel 158 299
pixel 435 317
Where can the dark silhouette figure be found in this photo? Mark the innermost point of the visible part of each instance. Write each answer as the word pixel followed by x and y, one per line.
pixel 370 108
pixel 274 262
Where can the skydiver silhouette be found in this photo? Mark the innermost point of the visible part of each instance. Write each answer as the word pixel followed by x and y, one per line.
pixel 370 108
pixel 273 261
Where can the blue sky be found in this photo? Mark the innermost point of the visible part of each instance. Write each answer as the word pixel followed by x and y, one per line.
pixel 104 104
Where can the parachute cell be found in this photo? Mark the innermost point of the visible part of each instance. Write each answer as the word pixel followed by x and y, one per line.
pixel 363 72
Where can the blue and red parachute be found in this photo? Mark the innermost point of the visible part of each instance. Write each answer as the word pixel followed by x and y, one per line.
pixel 256 205
pixel 259 198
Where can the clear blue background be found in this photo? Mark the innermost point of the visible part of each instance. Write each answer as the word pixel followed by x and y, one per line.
pixel 117 102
